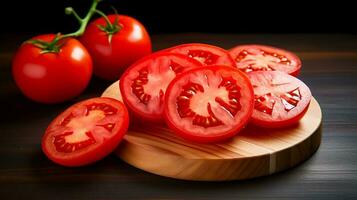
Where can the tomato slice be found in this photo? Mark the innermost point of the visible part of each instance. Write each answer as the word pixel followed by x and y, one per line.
pixel 209 104
pixel 86 132
pixel 204 53
pixel 280 99
pixel 144 84
pixel 265 58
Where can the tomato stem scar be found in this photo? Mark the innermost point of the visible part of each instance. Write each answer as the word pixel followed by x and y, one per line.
pixel 111 28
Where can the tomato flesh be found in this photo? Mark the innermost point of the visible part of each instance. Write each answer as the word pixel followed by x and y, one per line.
pixel 144 84
pixel 204 53
pixel 280 99
pixel 265 58
pixel 86 132
pixel 209 104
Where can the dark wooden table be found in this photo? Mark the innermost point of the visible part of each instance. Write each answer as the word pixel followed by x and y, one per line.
pixel 329 69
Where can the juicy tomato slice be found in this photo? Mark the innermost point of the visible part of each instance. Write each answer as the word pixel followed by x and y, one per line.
pixel 144 84
pixel 209 104
pixel 204 53
pixel 265 58
pixel 86 132
pixel 280 99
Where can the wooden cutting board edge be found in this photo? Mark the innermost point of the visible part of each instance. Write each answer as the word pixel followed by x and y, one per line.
pixel 165 162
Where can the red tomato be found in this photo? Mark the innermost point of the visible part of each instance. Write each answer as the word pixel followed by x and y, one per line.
pixel 206 54
pixel 280 99
pixel 86 132
pixel 144 84
pixel 265 58
pixel 209 104
pixel 52 77
pixel 111 58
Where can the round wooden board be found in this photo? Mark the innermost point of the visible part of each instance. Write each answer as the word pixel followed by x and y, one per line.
pixel 252 153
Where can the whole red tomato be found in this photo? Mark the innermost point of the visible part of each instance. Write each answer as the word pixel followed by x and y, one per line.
pixel 115 46
pixel 52 77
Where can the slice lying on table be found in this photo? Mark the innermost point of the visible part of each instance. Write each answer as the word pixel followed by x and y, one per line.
pixel 86 132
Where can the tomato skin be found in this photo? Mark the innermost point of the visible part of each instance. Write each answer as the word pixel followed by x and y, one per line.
pixel 155 58
pixel 288 96
pixel 128 45
pixel 91 154
pixel 293 68
pixel 52 77
pixel 215 137
pixel 199 139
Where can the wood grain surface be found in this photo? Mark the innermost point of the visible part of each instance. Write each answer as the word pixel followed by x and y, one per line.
pixel 329 69
pixel 252 153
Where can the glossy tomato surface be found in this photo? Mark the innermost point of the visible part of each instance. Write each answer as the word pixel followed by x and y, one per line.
pixel 52 77
pixel 204 53
pixel 209 104
pixel 265 58
pixel 129 44
pixel 86 132
pixel 144 84
pixel 280 99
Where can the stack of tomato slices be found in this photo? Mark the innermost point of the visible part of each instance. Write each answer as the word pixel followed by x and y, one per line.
pixel 202 92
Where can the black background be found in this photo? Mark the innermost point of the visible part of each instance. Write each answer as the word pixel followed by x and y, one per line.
pixel 223 16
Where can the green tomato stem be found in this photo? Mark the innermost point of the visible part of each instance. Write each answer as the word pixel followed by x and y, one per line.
pixel 83 22
pixel 71 11
pixel 54 46
pixel 109 24
pixel 111 28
